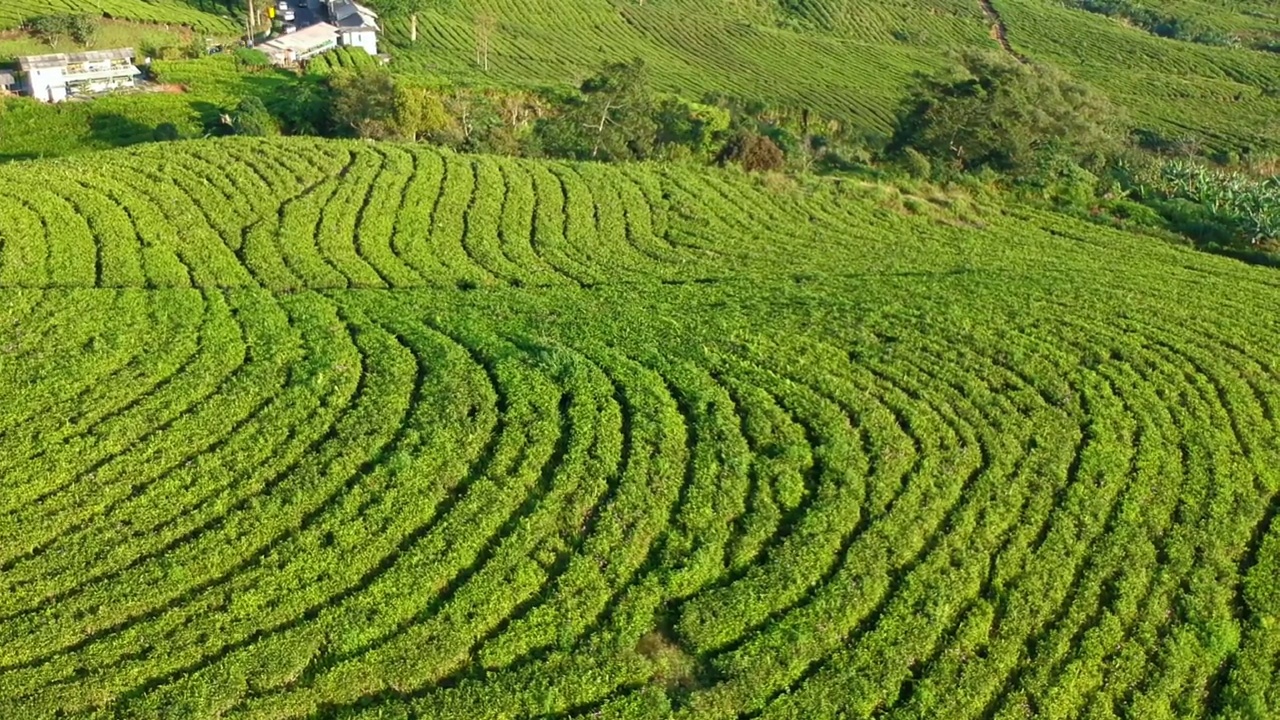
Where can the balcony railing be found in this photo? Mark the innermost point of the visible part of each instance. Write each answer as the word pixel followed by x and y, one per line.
pixel 125 71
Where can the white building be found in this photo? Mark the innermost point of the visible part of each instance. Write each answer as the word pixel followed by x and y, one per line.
pixel 298 46
pixel 349 24
pixel 357 25
pixel 54 78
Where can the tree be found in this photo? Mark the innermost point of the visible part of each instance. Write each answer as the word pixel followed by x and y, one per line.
pixel 486 24
pixel 610 119
pixel 251 117
pixel 994 112
pixel 305 108
pixel 696 126
pixel 83 28
pixel 364 101
pixel 475 118
pixel 421 115
pixel 50 28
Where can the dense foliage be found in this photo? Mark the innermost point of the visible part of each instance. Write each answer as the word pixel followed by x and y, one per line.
pixel 252 118
pixel 346 430
pixel 80 28
pixel 1249 208
pixel 994 112
pixel 1155 21
pixel 613 117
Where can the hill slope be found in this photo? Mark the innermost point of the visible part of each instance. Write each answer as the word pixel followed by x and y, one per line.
pixel 301 429
pixel 853 59
pixel 205 16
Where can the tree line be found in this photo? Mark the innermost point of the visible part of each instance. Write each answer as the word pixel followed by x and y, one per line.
pixel 55 28
pixel 612 116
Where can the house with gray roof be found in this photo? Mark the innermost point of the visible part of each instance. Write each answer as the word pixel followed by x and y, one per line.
pixel 357 25
pixel 54 78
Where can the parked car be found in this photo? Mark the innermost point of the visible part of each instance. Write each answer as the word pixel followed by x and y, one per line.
pixel 282 5
pixel 290 27
pixel 288 16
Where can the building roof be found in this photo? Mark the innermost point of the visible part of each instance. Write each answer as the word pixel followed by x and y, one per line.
pixel 349 15
pixel 28 62
pixel 302 41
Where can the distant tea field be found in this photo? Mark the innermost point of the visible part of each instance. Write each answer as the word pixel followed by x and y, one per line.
pixel 205 15
pixel 297 429
pixel 854 60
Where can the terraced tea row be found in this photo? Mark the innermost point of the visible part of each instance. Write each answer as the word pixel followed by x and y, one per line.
pixel 679 446
pixel 1224 97
pixel 444 501
pixel 310 214
pixel 693 49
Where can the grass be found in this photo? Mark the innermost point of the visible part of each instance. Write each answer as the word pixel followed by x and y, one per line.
pixel 203 15
pixel 189 94
pixel 304 428
pixel 112 34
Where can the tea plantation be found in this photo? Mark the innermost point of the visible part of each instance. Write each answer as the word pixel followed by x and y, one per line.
pixel 853 60
pixel 202 15
pixel 845 61
pixel 305 428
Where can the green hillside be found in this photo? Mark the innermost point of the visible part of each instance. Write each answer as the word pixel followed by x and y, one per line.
pixel 320 429
pixel 200 14
pixel 853 59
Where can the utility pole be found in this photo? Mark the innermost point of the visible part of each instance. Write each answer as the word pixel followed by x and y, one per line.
pixel 413 27
pixel 249 24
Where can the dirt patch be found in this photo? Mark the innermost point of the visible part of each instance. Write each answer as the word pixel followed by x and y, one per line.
pixel 999 32
pixel 674 669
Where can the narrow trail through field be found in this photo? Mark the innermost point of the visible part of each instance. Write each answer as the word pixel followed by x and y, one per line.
pixel 999 32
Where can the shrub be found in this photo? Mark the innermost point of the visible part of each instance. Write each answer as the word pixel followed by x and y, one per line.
pixel 753 152
pixel 1131 212
pixel 916 163
pixel 83 28
pixel 165 132
pixel 251 117
pixel 252 58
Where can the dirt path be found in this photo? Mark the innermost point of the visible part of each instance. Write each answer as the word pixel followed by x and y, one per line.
pixel 999 32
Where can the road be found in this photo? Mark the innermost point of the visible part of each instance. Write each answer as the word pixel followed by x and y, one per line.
pixel 306 13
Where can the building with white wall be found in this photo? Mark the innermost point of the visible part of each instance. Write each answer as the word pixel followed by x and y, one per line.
pixel 54 78
pixel 357 25
pixel 298 46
